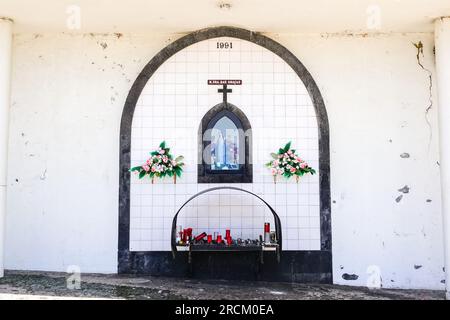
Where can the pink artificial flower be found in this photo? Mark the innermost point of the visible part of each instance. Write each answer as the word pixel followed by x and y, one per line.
pixel 276 163
pixel 165 159
pixel 154 169
pixel 161 151
pixel 274 171
pixel 293 170
pixel 149 162
pixel 299 159
pixel 303 165
pixel 174 163
pixel 146 168
pixel 290 152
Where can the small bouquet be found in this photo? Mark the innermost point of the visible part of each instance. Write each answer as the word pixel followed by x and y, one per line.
pixel 286 163
pixel 161 164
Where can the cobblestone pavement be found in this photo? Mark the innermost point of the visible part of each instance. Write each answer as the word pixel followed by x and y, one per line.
pixel 38 285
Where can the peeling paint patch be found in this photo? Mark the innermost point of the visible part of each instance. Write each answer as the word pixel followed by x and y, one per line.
pixel 405 189
pixel 350 277
pixel 443 281
pixel 417 266
pixel 104 45
pixel 405 155
pixel 224 5
pixel 429 200
pixel 399 198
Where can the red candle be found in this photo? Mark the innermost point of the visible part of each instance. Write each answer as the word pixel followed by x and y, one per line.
pixel 219 238
pixel 227 234
pixel 267 227
pixel 200 236
pixel 209 238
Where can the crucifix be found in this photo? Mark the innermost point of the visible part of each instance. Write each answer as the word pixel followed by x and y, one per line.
pixel 224 91
pixel 225 84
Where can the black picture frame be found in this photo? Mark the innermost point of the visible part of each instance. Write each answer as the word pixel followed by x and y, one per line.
pixel 245 172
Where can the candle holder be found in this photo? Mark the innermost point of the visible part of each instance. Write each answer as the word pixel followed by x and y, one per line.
pixel 216 242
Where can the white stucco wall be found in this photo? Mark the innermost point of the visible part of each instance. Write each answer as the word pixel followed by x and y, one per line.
pixel 68 93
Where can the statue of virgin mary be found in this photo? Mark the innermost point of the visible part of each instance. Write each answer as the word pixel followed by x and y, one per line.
pixel 220 150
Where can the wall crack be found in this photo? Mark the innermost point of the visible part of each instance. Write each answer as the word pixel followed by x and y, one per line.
pixel 419 47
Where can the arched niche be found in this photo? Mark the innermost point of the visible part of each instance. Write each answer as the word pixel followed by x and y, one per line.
pixel 304 266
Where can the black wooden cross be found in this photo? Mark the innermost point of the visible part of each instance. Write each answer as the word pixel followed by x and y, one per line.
pixel 224 91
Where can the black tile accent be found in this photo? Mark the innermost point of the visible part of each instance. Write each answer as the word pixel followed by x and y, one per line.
pixel 318 264
pixel 294 266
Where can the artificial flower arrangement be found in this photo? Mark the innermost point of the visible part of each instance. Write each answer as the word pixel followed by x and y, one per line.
pixel 286 163
pixel 161 164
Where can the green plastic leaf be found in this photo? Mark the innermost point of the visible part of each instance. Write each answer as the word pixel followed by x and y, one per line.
pixel 274 155
pixel 142 174
pixel 178 171
pixel 162 145
pixel 287 147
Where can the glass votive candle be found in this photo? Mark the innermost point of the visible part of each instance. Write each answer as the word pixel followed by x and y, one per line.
pixel 209 238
